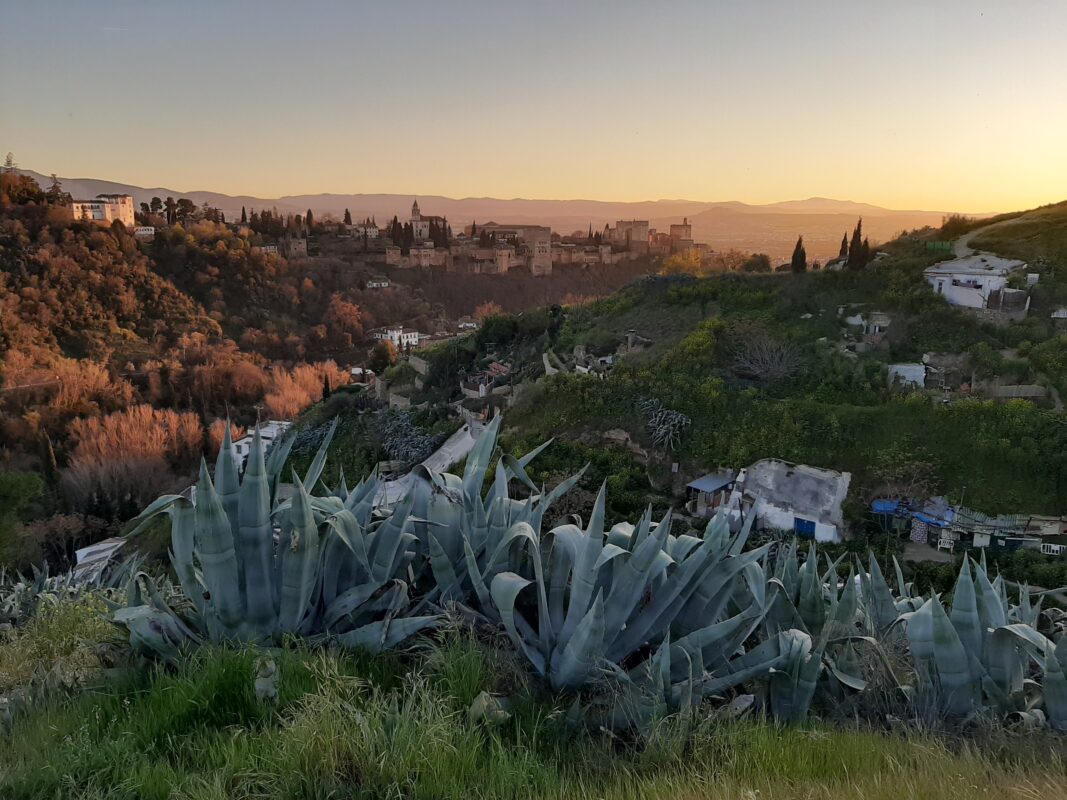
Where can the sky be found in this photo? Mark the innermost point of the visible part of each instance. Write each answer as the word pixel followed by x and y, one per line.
pixel 946 105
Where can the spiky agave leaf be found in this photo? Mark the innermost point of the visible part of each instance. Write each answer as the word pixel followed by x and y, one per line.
pixel 255 538
pixel 225 609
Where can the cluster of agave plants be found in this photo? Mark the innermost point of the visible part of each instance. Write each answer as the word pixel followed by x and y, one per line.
pixel 637 619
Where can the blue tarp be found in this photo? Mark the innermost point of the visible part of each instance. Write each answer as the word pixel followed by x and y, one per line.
pixel 885 506
pixel 940 523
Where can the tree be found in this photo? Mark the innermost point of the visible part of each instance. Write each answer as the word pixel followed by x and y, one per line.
pixel 799 262
pixel 170 206
pixel 474 228
pixel 156 205
pixel 309 220
pixel 855 248
pixel 185 210
pixel 382 356
pixel 325 387
pixel 843 252
pixel 244 216
pixel 757 262
pixel 348 217
pixel 758 356
pixel 687 263
pixel 486 310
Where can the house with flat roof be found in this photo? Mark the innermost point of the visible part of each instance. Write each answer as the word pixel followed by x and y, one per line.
pixel 971 280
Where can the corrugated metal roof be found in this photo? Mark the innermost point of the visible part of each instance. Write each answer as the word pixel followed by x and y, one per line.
pixel 713 481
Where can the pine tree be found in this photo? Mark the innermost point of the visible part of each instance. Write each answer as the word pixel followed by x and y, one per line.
pixel 843 252
pixel 348 217
pixel 799 262
pixel 244 216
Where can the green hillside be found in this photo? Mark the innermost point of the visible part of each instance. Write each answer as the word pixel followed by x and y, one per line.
pixel 830 408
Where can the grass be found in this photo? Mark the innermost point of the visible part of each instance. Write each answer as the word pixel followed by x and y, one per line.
pixel 355 726
pixel 59 640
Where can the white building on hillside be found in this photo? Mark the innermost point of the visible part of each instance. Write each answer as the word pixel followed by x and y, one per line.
pixel 105 209
pixel 969 281
pixel 791 497
pixel 400 336
pixel 269 432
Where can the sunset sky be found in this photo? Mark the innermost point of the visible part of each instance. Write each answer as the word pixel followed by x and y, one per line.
pixel 948 105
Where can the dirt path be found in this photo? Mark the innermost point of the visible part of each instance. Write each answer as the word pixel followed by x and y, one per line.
pixel 962 246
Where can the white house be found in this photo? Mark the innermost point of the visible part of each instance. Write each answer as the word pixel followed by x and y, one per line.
pixel 269 432
pixel 366 228
pixel 400 336
pixel 145 232
pixel 378 282
pixel 907 376
pixel 791 497
pixel 105 208
pixel 969 281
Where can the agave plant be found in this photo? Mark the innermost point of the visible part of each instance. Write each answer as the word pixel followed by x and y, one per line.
pixel 974 658
pixel 254 569
pixel 21 597
pixel 601 601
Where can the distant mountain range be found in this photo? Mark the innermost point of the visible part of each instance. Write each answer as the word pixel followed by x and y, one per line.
pixel 771 228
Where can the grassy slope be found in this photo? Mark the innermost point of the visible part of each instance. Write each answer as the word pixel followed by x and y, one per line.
pixel 356 726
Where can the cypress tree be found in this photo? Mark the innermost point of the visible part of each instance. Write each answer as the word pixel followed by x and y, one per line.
pixel 244 216
pixel 799 262
pixel 325 387
pixel 474 229
pixel 855 247
pixel 843 252
pixel 348 217
pixel 310 220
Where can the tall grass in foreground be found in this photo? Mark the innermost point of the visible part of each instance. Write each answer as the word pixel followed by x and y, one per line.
pixel 359 726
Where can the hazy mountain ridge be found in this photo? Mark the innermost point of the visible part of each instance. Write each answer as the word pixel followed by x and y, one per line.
pixel 770 228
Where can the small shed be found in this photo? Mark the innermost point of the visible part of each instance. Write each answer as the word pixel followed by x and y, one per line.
pixel 708 492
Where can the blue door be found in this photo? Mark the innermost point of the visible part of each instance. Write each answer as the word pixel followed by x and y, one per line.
pixel 804 528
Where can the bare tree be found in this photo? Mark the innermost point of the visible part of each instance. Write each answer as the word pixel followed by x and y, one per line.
pixel 765 359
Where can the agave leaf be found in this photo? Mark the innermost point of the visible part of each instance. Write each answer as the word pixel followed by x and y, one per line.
pixel 479 458
pixel 299 559
pixel 160 505
pixel 218 561
pixel 152 632
pixel 505 589
pixel 443 571
pixel 964 613
pixel 583 574
pixel 347 602
pixel 634 575
pixel 227 484
pixel 582 651
pixel 1054 689
pixel 385 634
pixel 317 463
pixel 255 539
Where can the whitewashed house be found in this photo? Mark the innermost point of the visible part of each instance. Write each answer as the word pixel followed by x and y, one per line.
pixel 790 497
pixel 969 281
pixel 269 432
